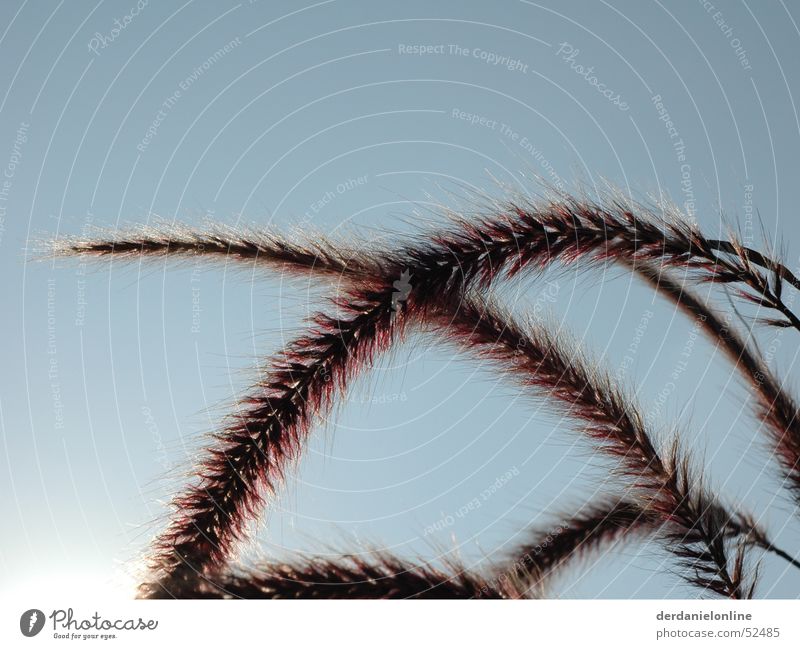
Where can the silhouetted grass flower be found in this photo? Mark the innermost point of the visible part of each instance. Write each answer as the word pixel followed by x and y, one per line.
pixel 441 281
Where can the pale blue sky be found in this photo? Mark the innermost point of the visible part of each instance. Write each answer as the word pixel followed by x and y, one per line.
pixel 324 116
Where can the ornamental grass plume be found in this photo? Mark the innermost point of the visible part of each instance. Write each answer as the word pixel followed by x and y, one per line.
pixel 382 576
pixel 450 272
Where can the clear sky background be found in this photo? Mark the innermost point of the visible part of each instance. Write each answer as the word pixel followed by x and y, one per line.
pixel 320 116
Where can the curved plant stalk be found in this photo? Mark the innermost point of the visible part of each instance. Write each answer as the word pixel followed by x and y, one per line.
pixel 597 524
pixel 254 449
pixel 774 406
pixel 214 240
pixel 382 576
pixel 261 439
pixel 696 523
pixel 534 233
pixel 768 288
pixel 567 230
pixel 697 526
